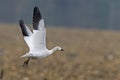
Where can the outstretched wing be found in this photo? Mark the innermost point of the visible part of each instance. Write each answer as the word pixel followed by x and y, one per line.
pixel 39 31
pixel 26 33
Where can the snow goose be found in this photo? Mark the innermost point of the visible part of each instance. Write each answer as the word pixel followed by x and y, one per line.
pixel 36 40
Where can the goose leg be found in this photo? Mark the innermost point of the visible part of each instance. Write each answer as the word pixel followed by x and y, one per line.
pixel 25 64
pixel 1 74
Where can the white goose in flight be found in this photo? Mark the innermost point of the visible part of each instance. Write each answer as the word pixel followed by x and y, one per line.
pixel 36 41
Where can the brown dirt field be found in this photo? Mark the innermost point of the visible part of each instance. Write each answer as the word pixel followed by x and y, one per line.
pixel 88 55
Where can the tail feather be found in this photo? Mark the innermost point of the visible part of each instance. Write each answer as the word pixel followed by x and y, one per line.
pixel 25 55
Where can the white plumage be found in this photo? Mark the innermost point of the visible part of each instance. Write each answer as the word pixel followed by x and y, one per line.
pixel 36 41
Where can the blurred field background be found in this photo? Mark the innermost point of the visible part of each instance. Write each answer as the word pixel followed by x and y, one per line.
pixel 89 55
pixel 87 30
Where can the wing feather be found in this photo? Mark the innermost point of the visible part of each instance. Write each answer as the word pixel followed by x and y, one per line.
pixel 39 32
pixel 25 30
pixel 26 33
pixel 36 40
pixel 36 18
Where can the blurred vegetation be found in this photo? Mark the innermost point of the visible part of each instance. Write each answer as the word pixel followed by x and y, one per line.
pixel 101 14
pixel 88 55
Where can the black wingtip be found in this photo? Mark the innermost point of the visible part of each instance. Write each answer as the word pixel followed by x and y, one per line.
pixel 36 17
pixel 23 28
pixel 36 8
pixel 21 22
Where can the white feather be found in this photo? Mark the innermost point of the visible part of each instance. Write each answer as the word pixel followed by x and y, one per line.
pixel 36 42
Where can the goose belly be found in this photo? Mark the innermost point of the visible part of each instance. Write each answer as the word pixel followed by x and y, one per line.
pixel 40 55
